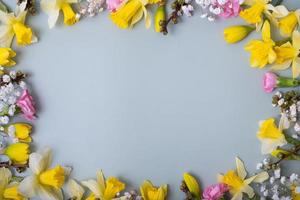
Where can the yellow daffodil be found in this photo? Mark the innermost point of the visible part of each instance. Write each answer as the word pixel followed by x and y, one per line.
pixel 234 34
pixel 253 14
pixel 270 136
pixel 287 55
pixel 295 194
pixel 15 26
pixel 75 191
pixel 288 23
pixel 103 189
pixel 21 131
pixel 262 52
pixel 8 189
pixel 192 185
pixel 46 183
pixel 6 55
pixel 150 192
pixel 131 12
pixel 18 153
pixel 238 183
pixel 53 7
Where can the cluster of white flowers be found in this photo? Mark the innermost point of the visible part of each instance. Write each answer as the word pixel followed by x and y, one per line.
pixel 91 8
pixel 10 91
pixel 132 195
pixel 187 9
pixel 290 107
pixel 279 187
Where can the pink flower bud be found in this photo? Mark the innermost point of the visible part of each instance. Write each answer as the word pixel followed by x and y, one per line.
pixel 113 5
pixel 215 192
pixel 26 103
pixel 270 81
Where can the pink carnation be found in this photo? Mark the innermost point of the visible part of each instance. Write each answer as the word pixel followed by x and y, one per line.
pixel 215 192
pixel 270 81
pixel 26 103
pixel 230 9
pixel 113 5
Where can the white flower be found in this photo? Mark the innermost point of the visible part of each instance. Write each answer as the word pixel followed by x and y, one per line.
pixel 12 110
pixel 45 183
pixel 4 119
pixel 11 130
pixel 259 166
pixel 187 10
pixel 293 177
pixel 6 78
pixel 277 173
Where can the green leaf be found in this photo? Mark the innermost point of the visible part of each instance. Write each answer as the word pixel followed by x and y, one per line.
pixel 3 7
pixel 291 140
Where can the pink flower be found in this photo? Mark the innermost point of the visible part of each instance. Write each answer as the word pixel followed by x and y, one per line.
pixel 230 9
pixel 26 103
pixel 113 5
pixel 270 81
pixel 215 192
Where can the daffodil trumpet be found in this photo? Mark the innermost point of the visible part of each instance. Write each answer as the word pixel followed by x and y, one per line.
pixel 234 34
pixel 271 81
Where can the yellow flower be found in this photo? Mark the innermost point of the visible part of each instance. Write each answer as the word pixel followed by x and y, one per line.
pixel 18 153
pixel 21 131
pixel 44 182
pixel 262 52
pixel 103 189
pixel 130 13
pixel 288 23
pixel 8 189
pixel 295 195
pixel 54 177
pixel 15 26
pixel 160 15
pixel 235 34
pixel 192 185
pixel 270 136
pixel 253 14
pixel 53 7
pixel 6 55
pixel 150 192
pixel 238 183
pixel 287 55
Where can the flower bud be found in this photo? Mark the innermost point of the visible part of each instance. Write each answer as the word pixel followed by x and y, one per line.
pixel 235 34
pixel 160 17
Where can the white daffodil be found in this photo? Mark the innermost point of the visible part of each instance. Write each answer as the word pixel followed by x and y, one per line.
pixel 45 183
pixel 14 25
pixel 103 189
pixel 74 190
pixel 238 183
pixel 8 189
pixel 53 7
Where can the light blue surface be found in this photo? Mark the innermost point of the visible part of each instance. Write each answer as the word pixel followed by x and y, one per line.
pixel 140 105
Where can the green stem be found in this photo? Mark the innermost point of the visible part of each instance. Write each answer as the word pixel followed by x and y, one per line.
pixel 287 82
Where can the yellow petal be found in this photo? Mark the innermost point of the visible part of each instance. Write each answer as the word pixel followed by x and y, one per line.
pixel 18 153
pixel 23 33
pixel 266 31
pixel 69 15
pixel 53 177
pixel 296 67
pixel 192 185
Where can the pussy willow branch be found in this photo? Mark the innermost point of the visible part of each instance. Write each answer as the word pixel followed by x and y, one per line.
pixel 8 164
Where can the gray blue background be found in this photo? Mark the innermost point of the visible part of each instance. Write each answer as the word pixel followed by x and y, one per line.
pixel 140 105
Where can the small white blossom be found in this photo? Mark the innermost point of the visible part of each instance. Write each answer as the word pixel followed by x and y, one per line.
pixel 272 180
pixel 293 177
pixel 283 180
pixel 6 78
pixel 187 10
pixel 266 161
pixel 266 193
pixel 4 119
pixel 277 173
pixel 13 74
pixel 11 130
pixel 281 101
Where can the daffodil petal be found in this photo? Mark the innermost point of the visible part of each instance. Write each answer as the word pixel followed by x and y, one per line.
pixel 296 39
pixel 266 31
pixel 28 186
pixel 5 175
pixel 281 66
pixel 137 17
pixel 92 185
pixel 248 190
pixel 49 193
pixel 278 11
pixel 240 168
pixel 52 19
pixel 6 17
pixel 39 162
pixel 147 17
pixel 237 196
pixel 74 189
pixel 101 182
pixel 6 36
pixel 296 67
